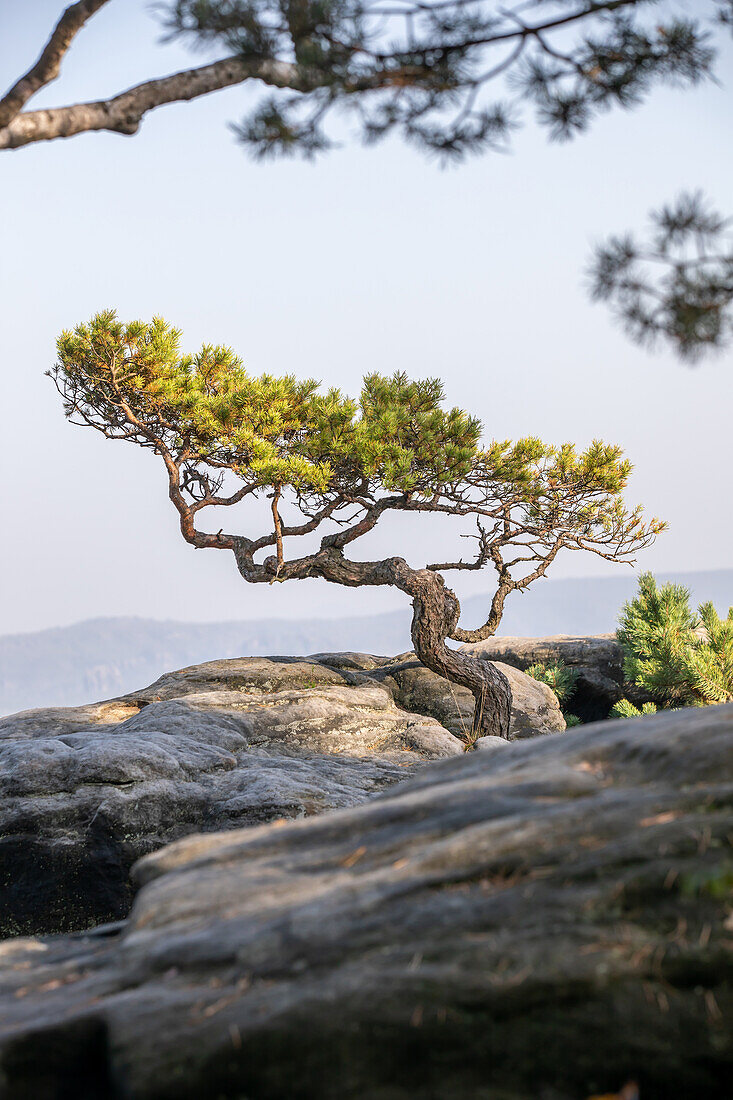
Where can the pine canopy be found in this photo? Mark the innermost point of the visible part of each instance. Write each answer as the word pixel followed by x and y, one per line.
pixel 679 657
pixel 453 77
pixel 340 462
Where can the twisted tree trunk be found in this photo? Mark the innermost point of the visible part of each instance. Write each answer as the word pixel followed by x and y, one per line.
pixel 435 615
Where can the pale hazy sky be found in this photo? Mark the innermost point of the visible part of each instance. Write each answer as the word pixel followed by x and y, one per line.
pixel 369 259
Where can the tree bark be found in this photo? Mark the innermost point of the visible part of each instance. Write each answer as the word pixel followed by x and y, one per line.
pixel 124 112
pixel 492 623
pixel 435 615
pixel 48 65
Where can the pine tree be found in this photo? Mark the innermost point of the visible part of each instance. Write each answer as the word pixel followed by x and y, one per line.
pixel 679 657
pixel 451 78
pixel 709 660
pixel 424 71
pixel 678 285
pixel 656 629
pixel 328 463
pixel 562 680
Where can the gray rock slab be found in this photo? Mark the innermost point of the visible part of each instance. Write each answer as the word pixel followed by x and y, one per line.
pixel 548 920
pixel 86 791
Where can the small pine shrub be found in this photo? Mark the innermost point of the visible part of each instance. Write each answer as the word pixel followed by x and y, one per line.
pixel 679 657
pixel 558 676
pixel 561 678
pixel 656 629
pixel 709 660
pixel 625 709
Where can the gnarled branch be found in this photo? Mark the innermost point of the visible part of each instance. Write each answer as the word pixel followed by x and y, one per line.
pixel 48 65
pixel 124 113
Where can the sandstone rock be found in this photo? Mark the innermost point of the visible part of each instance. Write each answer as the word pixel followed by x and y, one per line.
pixel 492 744
pixel 88 790
pixel 547 920
pixel 535 709
pixel 357 681
pixel 597 659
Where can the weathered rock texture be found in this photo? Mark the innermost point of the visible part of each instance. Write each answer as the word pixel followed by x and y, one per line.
pixel 86 791
pixel 597 658
pixel 535 709
pixel 548 919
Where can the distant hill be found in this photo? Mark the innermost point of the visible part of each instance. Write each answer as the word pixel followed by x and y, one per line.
pixel 100 658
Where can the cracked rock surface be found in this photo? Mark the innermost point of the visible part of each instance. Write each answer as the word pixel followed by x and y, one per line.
pixel 85 791
pixel 547 919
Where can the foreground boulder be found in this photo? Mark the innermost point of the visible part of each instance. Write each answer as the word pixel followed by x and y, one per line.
pixel 86 791
pixel 550 918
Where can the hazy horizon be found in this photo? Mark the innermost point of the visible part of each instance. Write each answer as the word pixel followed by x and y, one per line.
pixel 534 596
pixel 103 657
